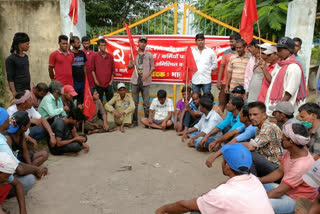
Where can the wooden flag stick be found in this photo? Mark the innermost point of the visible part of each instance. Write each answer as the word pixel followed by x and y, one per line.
pixel 259 33
pixel 73 12
pixel 187 85
pixel 135 66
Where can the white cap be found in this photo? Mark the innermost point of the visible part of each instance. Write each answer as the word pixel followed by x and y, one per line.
pixel 270 50
pixel 264 45
pixel 312 177
pixel 8 164
pixel 121 85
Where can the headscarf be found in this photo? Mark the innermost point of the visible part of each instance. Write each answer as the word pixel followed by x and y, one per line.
pixel 296 138
pixel 24 98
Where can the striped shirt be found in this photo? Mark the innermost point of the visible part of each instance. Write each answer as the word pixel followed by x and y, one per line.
pixel 237 67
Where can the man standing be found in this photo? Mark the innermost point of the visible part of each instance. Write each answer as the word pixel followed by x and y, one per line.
pixel 89 54
pixel 237 66
pixel 103 71
pixel 141 78
pixel 223 71
pixel 297 48
pixel 206 61
pixel 287 82
pixel 242 192
pixel 17 64
pixel 60 63
pixel 78 68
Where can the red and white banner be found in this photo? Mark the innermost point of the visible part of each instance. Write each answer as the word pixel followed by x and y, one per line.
pixel 168 52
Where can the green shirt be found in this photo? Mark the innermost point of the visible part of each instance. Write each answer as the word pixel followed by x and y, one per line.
pixel 50 108
pixel 116 103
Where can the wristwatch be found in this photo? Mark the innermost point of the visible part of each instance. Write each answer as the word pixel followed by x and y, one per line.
pixel 53 134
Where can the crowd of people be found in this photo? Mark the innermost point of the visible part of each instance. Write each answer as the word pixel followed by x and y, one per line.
pixel 268 136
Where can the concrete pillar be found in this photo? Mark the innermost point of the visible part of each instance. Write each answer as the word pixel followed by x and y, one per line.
pixel 80 28
pixel 300 23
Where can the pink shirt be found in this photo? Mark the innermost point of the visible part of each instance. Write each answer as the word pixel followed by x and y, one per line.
pixel 240 194
pixel 89 55
pixel 62 65
pixel 294 169
pixel 265 85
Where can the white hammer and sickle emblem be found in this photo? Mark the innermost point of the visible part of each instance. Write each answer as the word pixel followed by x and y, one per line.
pixel 119 58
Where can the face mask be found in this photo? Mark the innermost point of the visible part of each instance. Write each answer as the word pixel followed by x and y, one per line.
pixel 307 124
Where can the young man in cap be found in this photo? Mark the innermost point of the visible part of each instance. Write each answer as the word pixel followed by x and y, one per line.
pixel 38 93
pixel 242 193
pixel 8 166
pixel 209 120
pixel 296 161
pixel 283 112
pixel 141 78
pixel 41 127
pixel 67 96
pixel 287 83
pixel 67 138
pixel 103 71
pixel 231 122
pixel 267 65
pixel 206 61
pixel 297 48
pixel 78 68
pixel 120 108
pixel 223 71
pixel 60 63
pixel 19 124
pixel 237 66
pixel 17 64
pixel 310 116
pixel 160 113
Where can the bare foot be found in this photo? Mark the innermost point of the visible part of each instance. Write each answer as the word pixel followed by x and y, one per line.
pixel 93 131
pixel 191 144
pixel 121 129
pixel 86 147
pixel 112 130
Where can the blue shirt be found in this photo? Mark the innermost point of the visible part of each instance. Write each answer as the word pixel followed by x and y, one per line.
pixel 193 107
pixel 230 120
pixel 247 133
pixel 4 147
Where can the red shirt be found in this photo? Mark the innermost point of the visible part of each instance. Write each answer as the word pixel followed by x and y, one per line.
pixel 62 66
pixel 103 67
pixel 89 55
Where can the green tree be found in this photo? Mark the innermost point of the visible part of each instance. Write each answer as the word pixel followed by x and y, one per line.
pixel 272 16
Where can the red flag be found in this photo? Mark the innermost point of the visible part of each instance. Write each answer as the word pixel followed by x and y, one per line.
pixel 132 45
pixel 88 104
pixel 74 9
pixel 249 16
pixel 189 65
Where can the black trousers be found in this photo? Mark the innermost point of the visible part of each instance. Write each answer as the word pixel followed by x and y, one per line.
pixel 71 147
pixel 261 166
pixel 108 91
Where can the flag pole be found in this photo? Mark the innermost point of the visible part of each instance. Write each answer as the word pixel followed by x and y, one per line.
pixel 259 34
pixel 73 12
pixel 135 66
pixel 187 85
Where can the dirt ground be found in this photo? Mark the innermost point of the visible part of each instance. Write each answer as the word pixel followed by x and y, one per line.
pixel 162 170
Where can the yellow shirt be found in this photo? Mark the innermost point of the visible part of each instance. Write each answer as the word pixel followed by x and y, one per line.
pixel 116 103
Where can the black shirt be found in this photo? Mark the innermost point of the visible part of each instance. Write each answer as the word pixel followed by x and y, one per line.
pixel 17 68
pixel 62 130
pixel 78 66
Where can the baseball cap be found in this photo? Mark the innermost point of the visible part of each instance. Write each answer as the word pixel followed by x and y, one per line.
pixel 264 45
pixel 270 50
pixel 3 116
pixel 121 85
pixel 286 42
pixel 237 156
pixel 16 121
pixel 238 89
pixel 283 107
pixel 8 164
pixel 143 38
pixel 70 90
pixel 312 177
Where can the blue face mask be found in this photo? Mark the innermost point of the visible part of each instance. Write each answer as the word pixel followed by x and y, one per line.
pixel 307 124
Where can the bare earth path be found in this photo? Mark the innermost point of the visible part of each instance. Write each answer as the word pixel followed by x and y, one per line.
pixel 162 170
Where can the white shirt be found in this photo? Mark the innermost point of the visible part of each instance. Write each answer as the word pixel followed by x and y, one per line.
pixel 243 194
pixel 161 110
pixel 32 113
pixel 207 123
pixel 291 83
pixel 206 62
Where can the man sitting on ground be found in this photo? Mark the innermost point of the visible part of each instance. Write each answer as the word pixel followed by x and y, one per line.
pixel 296 161
pixel 231 122
pixel 41 127
pixel 68 140
pixel 97 125
pixel 7 169
pixel 38 93
pixel 283 112
pixel 208 121
pixel 242 193
pixel 160 113
pixel 15 135
pixel 120 108
pixel 181 108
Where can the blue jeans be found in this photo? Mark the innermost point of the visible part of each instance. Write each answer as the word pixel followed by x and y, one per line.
pixel 206 88
pixel 210 140
pixel 282 205
pixel 37 133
